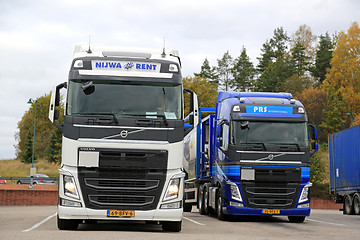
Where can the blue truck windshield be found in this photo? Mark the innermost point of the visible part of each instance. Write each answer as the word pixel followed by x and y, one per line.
pixel 124 99
pixel 243 132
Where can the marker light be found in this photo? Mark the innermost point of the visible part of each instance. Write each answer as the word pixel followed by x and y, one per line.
pixel 236 109
pixel 78 64
pixel 173 68
pixel 301 110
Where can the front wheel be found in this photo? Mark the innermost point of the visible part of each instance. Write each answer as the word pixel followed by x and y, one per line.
pixel 296 219
pixel 171 226
pixel 219 205
pixel 201 200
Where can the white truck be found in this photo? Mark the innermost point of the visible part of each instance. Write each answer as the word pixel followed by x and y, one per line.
pixel 123 131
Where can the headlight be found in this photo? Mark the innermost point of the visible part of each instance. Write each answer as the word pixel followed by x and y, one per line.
pixel 172 191
pixel 235 192
pixel 305 193
pixel 70 187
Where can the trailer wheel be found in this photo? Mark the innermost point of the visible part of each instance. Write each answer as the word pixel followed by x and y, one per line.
pixel 219 204
pixel 356 203
pixel 67 224
pixel 201 200
pixel 171 226
pixel 348 205
pixel 296 219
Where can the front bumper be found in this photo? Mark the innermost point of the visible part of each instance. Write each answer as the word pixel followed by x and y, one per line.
pixel 258 212
pixel 152 215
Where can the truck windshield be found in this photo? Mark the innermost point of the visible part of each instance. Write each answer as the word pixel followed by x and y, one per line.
pixel 125 99
pixel 269 133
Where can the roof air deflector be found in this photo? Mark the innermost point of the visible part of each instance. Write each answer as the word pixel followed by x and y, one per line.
pixel 126 54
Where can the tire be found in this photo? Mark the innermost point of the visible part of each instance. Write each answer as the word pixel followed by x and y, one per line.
pixel 201 200
pixel 206 201
pixel 219 204
pixel 171 226
pixel 356 203
pixel 67 224
pixel 348 205
pixel 296 219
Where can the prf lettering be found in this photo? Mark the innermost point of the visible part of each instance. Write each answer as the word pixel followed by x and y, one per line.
pixel 260 109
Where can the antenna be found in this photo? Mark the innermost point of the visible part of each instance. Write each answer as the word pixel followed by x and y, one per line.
pixel 89 51
pixel 163 53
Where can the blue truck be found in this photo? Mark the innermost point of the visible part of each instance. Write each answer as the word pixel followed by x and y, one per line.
pixel 250 156
pixel 344 168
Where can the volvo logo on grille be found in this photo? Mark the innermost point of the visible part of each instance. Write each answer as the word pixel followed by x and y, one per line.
pixel 124 133
pixel 271 157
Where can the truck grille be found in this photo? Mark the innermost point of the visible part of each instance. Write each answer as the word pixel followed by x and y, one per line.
pixel 272 188
pixel 124 180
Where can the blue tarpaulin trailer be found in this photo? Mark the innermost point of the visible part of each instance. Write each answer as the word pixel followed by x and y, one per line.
pixel 344 165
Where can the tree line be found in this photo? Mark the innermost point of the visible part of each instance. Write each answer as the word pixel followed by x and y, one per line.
pixel 323 72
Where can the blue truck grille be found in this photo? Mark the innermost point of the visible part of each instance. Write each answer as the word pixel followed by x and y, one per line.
pixel 272 188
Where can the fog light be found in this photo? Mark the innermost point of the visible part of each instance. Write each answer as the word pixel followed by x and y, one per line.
pixel 306 205
pixel 173 205
pixel 236 204
pixel 68 203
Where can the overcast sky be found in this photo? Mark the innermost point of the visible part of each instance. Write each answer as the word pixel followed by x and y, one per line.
pixel 37 37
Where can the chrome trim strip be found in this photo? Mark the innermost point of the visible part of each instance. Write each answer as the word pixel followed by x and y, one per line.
pixel 121 127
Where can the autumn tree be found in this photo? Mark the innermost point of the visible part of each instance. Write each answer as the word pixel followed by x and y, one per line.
pixel 243 73
pixel 44 127
pixel 343 79
pixel 206 91
pixel 315 103
pixel 304 37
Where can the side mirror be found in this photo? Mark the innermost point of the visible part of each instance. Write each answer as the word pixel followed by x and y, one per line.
pixel 54 103
pixel 313 138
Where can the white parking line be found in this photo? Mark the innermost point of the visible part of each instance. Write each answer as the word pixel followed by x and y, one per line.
pixel 194 221
pixel 312 220
pixel 39 223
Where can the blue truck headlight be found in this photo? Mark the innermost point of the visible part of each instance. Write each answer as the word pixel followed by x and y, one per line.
pixel 173 189
pixel 70 189
pixel 305 193
pixel 235 192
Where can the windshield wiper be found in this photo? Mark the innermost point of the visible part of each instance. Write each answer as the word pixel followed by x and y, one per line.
pixel 149 115
pixel 99 114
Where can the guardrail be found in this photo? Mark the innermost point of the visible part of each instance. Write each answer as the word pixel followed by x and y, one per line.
pixel 27 180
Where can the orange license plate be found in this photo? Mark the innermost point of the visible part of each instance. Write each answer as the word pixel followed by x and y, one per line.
pixel 120 213
pixel 271 211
